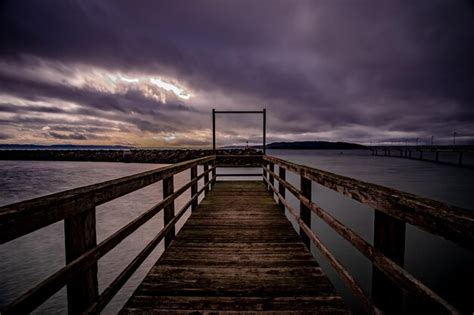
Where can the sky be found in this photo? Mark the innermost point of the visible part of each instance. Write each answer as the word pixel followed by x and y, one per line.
pixel 148 73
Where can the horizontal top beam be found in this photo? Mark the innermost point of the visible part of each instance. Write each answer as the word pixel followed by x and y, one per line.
pixel 239 112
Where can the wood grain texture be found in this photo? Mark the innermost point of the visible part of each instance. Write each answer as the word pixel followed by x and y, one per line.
pixel 237 254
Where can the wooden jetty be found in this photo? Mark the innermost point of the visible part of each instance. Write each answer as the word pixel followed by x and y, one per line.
pixel 428 153
pixel 237 253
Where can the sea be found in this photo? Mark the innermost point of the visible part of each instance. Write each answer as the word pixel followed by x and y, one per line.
pixel 440 264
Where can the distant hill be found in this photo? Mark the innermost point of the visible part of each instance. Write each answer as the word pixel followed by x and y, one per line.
pixel 61 147
pixel 315 145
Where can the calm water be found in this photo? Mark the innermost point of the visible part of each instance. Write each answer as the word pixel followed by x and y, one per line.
pixel 441 265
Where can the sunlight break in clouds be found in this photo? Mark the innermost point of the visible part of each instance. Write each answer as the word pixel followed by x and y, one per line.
pixel 95 78
pixel 143 82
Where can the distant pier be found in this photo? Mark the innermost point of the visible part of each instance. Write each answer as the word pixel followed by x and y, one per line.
pixel 448 155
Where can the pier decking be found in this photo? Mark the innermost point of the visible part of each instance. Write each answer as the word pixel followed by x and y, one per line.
pixel 237 253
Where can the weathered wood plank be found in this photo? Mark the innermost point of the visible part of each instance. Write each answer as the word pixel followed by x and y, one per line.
pixel 236 253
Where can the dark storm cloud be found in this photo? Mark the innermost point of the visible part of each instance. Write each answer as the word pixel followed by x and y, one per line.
pixel 353 69
pixel 4 136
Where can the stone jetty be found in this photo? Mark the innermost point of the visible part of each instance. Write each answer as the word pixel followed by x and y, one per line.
pixel 128 156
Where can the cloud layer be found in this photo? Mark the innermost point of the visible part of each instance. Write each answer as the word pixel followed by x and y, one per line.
pixel 148 73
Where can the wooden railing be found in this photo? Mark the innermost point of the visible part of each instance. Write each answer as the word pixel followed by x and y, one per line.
pixel 77 208
pixel 393 209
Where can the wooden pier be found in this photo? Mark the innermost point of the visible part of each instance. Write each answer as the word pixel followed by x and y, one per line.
pixel 237 253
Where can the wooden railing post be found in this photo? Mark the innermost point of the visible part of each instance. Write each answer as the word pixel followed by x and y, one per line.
pixel 389 238
pixel 271 167
pixel 206 179
pixel 194 188
pixel 281 188
pixel 80 236
pixel 168 189
pixel 214 171
pixel 305 212
pixel 264 164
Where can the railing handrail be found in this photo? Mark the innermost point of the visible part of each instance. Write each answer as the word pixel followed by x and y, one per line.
pixel 360 191
pixel 85 259
pixel 24 217
pixel 451 222
pixel 382 262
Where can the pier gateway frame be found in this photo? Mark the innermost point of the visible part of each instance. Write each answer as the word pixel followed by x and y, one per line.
pixel 263 112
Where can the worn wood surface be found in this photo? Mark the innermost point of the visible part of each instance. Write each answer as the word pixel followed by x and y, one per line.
pixel 236 254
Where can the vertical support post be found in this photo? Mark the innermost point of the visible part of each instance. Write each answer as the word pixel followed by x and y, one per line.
pixel 214 130
pixel 264 164
pixel 305 212
pixel 264 131
pixel 281 188
pixel 460 158
pixel 206 179
pixel 194 188
pixel 80 236
pixel 389 238
pixel 168 189
pixel 213 172
pixel 421 155
pixel 271 167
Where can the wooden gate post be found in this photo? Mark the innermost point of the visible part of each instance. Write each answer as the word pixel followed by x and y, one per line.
pixel 168 189
pixel 305 212
pixel 80 236
pixel 194 188
pixel 389 238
